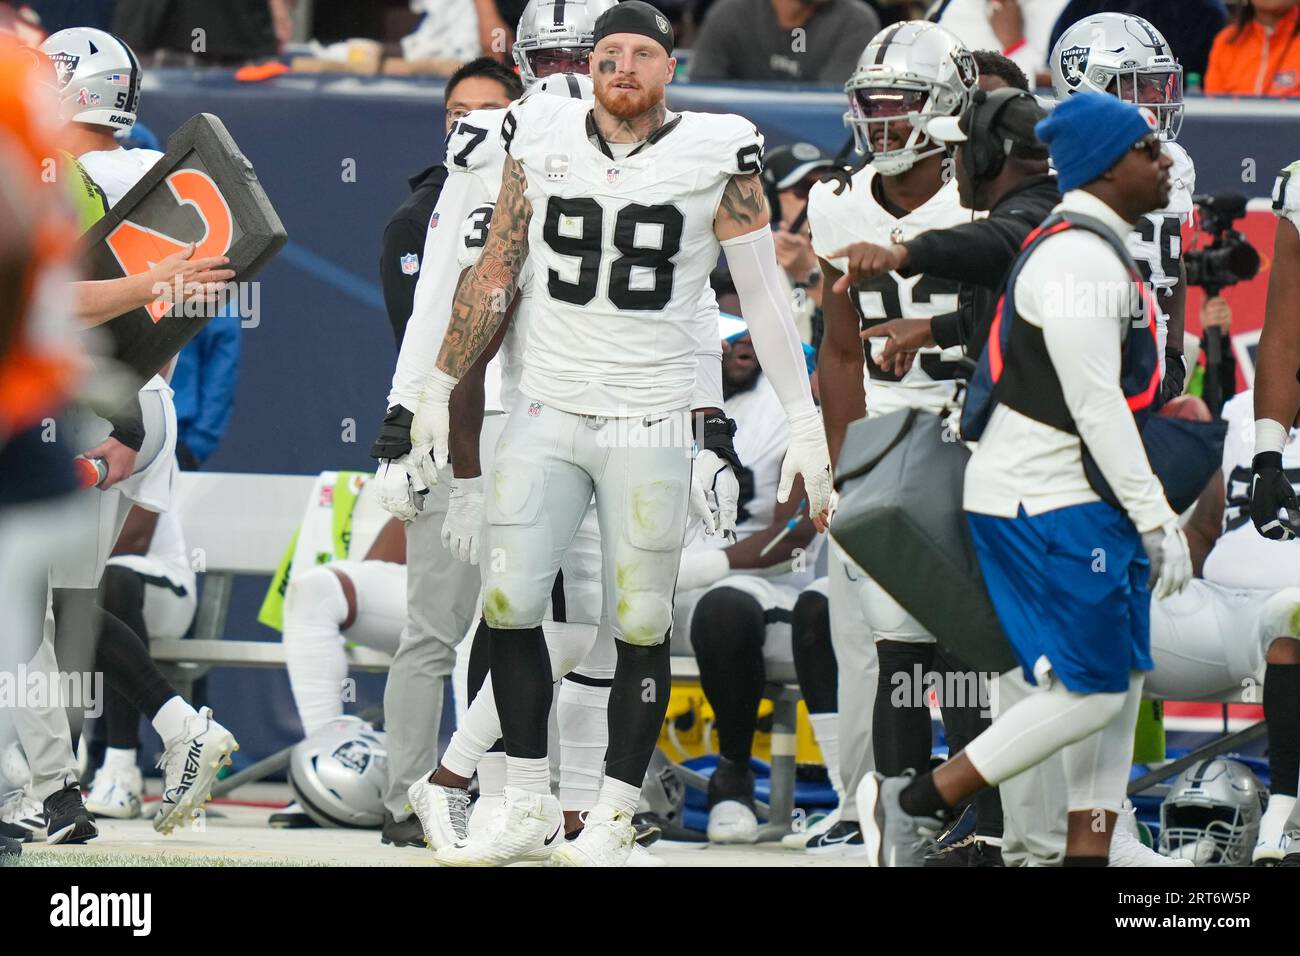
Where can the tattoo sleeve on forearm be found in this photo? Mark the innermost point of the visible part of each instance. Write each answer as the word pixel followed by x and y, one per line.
pixel 744 203
pixel 483 297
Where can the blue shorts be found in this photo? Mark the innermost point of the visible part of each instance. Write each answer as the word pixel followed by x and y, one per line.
pixel 1071 585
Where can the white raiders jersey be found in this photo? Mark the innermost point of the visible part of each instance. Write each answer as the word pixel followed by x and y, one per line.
pixel 620 252
pixel 1156 243
pixel 116 170
pixel 472 155
pixel 474 159
pixel 855 215
pixel 1242 557
pixel 1286 194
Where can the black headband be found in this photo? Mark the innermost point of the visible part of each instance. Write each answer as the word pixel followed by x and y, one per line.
pixel 635 16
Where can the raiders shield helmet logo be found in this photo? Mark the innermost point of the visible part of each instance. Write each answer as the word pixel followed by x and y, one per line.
pixel 1074 61
pixel 354 754
pixel 65 64
pixel 966 69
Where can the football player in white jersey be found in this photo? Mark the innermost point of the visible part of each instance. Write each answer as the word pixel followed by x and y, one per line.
pixel 554 37
pixel 1273 505
pixel 908 73
pixel 609 370
pixel 1125 56
pixel 553 34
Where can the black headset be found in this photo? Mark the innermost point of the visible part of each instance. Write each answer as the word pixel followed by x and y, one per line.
pixel 983 153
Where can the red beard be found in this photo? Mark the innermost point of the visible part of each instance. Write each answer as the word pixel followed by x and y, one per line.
pixel 625 104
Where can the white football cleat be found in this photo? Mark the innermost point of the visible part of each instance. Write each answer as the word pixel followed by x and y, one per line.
pixel 1273 843
pixel 443 812
pixel 607 839
pixel 1127 848
pixel 526 824
pixel 190 766
pixel 485 808
pixel 730 821
pixel 640 856
pixel 116 793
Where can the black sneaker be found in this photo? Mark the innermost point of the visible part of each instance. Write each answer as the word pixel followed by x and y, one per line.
pixel 10 850
pixel 66 818
pixel 843 839
pixel 19 834
pixel 647 831
pixel 1291 859
pixel 984 853
pixel 407 832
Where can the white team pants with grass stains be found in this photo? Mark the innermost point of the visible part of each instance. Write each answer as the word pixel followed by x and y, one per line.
pixel 547 465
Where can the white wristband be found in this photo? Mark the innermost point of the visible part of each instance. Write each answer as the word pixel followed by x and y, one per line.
pixel 1270 435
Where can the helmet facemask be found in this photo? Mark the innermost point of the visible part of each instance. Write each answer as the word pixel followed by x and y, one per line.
pixel 1159 88
pixel 883 111
pixel 1187 824
pixel 549 61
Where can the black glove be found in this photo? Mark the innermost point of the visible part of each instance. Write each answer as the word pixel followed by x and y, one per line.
pixel 1270 493
pixel 1175 374
pixel 718 432
pixel 394 439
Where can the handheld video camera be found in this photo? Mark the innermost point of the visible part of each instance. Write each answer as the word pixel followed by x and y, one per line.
pixel 1229 258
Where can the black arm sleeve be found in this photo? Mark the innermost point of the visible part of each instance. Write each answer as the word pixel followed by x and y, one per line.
pixel 976 253
pixel 946 330
pixel 401 238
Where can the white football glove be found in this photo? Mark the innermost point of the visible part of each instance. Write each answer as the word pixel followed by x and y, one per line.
pixel 807 456
pixel 431 426
pixel 1171 562
pixel 715 494
pixel 401 489
pixel 463 525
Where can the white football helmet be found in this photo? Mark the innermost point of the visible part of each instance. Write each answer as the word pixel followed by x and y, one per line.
pixel 97 76
pixel 1212 813
pixel 1124 56
pixel 555 36
pixel 573 85
pixel 339 774
pixel 909 73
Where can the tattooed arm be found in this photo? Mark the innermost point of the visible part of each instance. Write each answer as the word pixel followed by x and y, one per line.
pixel 743 208
pixel 484 295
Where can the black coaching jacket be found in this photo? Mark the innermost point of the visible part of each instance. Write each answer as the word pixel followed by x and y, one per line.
pixel 978 255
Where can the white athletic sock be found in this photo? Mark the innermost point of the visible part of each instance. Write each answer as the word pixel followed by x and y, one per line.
pixel 826 728
pixel 120 758
pixel 479 731
pixel 492 774
pixel 314 609
pixel 527 773
pixel 620 795
pixel 171 717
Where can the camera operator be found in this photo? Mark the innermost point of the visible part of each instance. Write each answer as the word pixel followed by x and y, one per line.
pixel 1229 259
pixel 1000 167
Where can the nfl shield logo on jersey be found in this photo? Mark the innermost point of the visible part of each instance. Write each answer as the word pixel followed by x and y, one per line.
pixel 1073 62
pixel 896 235
pixel 433 220
pixel 410 264
pixel 611 175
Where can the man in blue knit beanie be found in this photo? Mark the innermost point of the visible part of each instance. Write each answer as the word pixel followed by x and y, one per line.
pixel 1070 575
